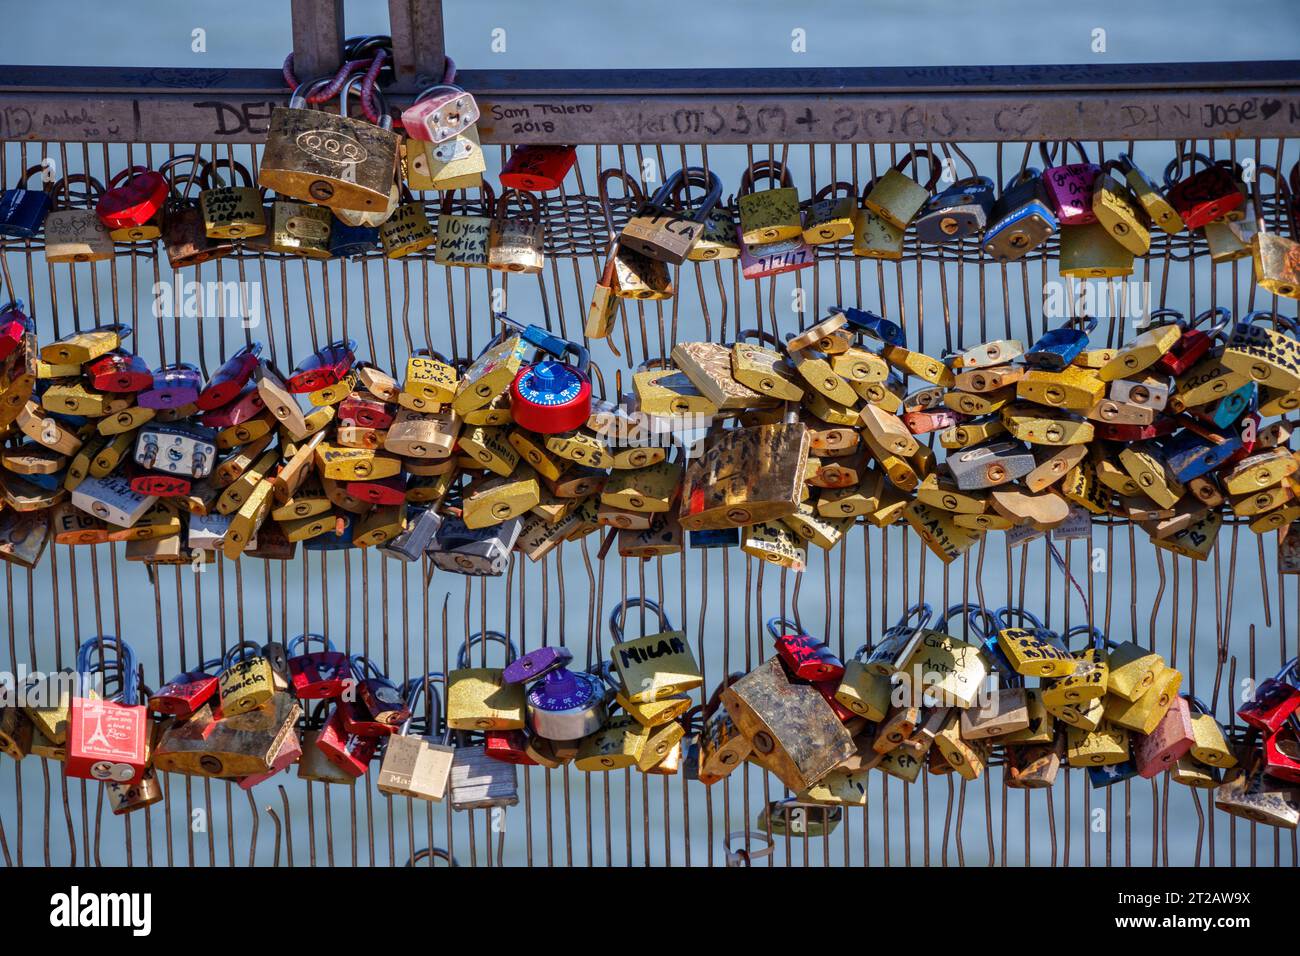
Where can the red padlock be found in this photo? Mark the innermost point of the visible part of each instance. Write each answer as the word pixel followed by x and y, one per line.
pixel 185 693
pixel 538 168
pixel 827 689
pixel 550 396
pixel 324 368
pixel 14 324
pixel 1204 196
pixel 246 406
pixel 227 382
pixel 317 675
pixel 382 699
pixel 1282 752
pixel 349 751
pixel 107 739
pixel 135 201
pixel 161 484
pixel 288 754
pixel 383 491
pixel 362 412
pixel 120 371
pixel 806 657
pixel 1111 431
pixel 1275 700
pixel 1193 343
pixel 508 746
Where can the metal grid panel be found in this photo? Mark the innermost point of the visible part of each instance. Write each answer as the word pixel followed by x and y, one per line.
pixel 1194 614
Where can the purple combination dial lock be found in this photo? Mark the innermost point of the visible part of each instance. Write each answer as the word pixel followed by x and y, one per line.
pixel 536 663
pixel 566 705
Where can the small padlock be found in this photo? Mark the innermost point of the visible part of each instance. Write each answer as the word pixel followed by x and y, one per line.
pixel 663 231
pixel 416 766
pixel 897 199
pixel 408 230
pixel 1070 187
pixel 1274 701
pixel 807 658
pixel 1212 193
pixel 236 211
pixel 960 210
pixel 537 168
pixel 246 681
pixel 654 666
pixel 441 112
pixel 76 234
pixel 1022 217
pixel 1276 258
pixel 187 692
pixel 771 215
pixel 830 217
pixel 464 240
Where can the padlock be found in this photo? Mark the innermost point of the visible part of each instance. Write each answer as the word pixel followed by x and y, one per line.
pixel 1107 746
pixel 662 229
pixel 107 737
pixel 76 234
pixel 865 693
pixel 1282 753
pixel 1116 209
pixel 14 328
pixel 1090 252
pixel 990 464
pixel 380 706
pixel 319 157
pixel 23 210
pixel 749 475
pixel 1023 218
pixel 1192 774
pixel 807 658
pixel 482 552
pixel 1249 793
pixel 897 199
pixel 1212 193
pixel 1146 712
pixel 938 669
pixel 174 387
pixel 1276 258
pixel 182 449
pixel 119 371
pixel 298 228
pixel 1033 651
pixel 236 211
pixel 246 681
pixel 655 666
pixel 346 745
pixel 479 698
pixel 187 692
pixel 441 112
pixel 709 367
pixel 480 782
pixel 775 258
pixel 316 675
pixel 897 643
pixel 617 745
pixel 326 366
pixel 1273 702
pixel 771 215
pixel 184 236
pixel 1157 208
pixel 830 217
pixel 793 730
pixel 514 244
pixel 228 383
pixel 1070 187
pixel 566 705
pixel 1089 680
pixel 960 210
pixel 537 168
pixel 408 230
pixel 416 766
pixel 1266 356
pixel 875 237
pixel 131 204
pixel 1057 348
pixel 463 239
pixel 1172 738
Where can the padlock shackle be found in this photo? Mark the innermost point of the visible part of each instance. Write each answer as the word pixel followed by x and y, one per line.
pixel 94 189
pixel 772 169
pixel 708 180
pixel 1049 159
pixel 526 198
pixel 618 616
pixel 1255 194
pixel 1176 164
pixel 487 198
pixel 412 690
pixel 922 612
pixel 761 335
pixel 131 171
pixel 236 653
pixel 363 665
pixel 237 168
pixel 777 630
pixel 745 856
pixel 1097 635
pixel 385 117
pixel 1008 616
pixel 1176 314
pixel 432 853
pixel 631 186
pixel 29 172
pixel 197 165
pixel 462 656
pixel 911 156
pixel 1225 319
pixel 303 640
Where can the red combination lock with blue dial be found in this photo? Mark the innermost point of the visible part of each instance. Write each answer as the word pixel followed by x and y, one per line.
pixel 550 396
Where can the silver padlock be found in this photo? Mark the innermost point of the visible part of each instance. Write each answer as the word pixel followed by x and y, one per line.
pixel 991 464
pixel 422 526
pixel 479 781
pixel 177 448
pixel 475 551
pixel 112 499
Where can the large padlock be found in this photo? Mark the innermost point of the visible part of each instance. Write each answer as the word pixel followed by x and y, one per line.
pixel 413 764
pixel 247 680
pixel 897 199
pixel 237 211
pixel 537 168
pixel 550 396
pixel 792 728
pixel 479 698
pixel 107 736
pixel 747 476
pixel 655 666
pixel 76 234
pixel 662 229
pixel 773 214
pixel 1022 217
pixel 131 204
pixel 1070 186
pixel 331 159
pixel 1211 193
pixel 23 210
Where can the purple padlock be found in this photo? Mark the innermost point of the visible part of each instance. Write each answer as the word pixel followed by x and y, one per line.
pixel 566 705
pixel 248 405
pixel 536 663
pixel 1069 187
pixel 173 387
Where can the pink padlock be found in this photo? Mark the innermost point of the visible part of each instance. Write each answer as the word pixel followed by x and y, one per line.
pixel 774 258
pixel 248 405
pixel 1173 737
pixel 441 111
pixel 1069 187
pixel 290 751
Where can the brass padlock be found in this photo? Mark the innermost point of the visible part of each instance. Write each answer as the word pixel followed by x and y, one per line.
pixel 748 475
pixel 1144 714
pixel 709 367
pixel 231 745
pixel 236 211
pixel 1091 252
pixel 478 698
pixel 938 669
pixel 246 680
pixel 76 234
pixel 773 214
pixel 897 199
pixel 408 230
pixel 1106 746
pixel 830 217
pixel 862 691
pixel 662 229
pixel 793 730
pixel 1276 258
pixel 655 666
pixel 1115 208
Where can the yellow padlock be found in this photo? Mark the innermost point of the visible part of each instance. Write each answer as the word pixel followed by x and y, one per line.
pixel 656 666
pixel 478 698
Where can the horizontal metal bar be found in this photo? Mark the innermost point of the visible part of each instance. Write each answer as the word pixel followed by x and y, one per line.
pixel 896 104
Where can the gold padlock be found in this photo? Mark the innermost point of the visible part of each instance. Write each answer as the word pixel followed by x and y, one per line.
pixel 1114 207
pixel 1144 714
pixel 246 681
pixel 1103 747
pixel 655 666
pixel 830 217
pixel 464 240
pixel 407 230
pixel 1091 252
pixel 477 697
pixel 897 199
pixel 773 214
pixel 618 744
pixel 1276 258
pixel 235 211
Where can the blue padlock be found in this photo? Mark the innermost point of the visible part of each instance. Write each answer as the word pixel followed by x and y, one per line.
pixel 1112 774
pixel 1057 348
pixel 331 541
pixel 1189 455
pixel 715 538
pixel 1228 410
pixel 23 210
pixel 348 242
pixel 1022 218
pixel 868 323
